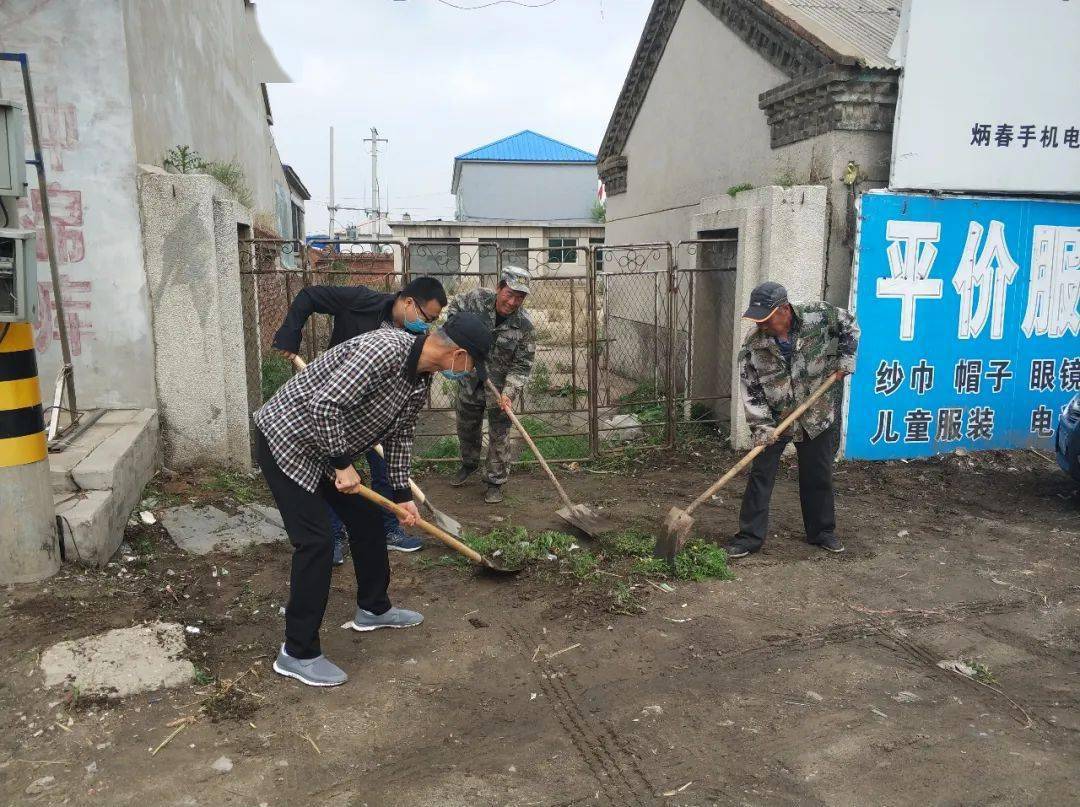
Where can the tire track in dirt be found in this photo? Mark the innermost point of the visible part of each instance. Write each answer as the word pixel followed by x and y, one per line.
pixel 612 764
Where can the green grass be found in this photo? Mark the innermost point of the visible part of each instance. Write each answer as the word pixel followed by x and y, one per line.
pixel 583 565
pixel 442 449
pixel 276 370
pixel 553 447
pixel 514 546
pixel 141 543
pixel 203 677
pixel 540 380
pixel 982 672
pixel 629 543
pixel 734 190
pixel 701 560
pixel 242 487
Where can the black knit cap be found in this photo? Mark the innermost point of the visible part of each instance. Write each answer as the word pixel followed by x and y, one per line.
pixel 471 333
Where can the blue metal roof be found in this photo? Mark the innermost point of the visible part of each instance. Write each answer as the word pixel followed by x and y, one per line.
pixel 528 147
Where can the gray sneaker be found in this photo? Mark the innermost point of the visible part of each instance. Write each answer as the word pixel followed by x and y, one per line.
pixel 315 672
pixel 394 618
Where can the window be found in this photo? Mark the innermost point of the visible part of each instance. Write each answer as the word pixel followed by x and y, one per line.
pixel 599 252
pixel 298 222
pixel 562 255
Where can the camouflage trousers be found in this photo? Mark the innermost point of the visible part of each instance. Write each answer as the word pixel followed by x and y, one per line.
pixel 470 421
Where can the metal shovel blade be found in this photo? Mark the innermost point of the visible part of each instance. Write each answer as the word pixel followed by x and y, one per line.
pixel 677 527
pixel 443 521
pixel 585 519
pixel 493 565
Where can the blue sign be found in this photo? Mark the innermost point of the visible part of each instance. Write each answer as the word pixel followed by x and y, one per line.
pixel 970 317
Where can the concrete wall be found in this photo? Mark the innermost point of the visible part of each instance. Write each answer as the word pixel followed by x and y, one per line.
pixel 195 73
pixel 79 65
pixel 526 190
pixel 192 264
pixel 781 237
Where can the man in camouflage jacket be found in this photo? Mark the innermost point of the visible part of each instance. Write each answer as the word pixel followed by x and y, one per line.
pixel 508 366
pixel 791 352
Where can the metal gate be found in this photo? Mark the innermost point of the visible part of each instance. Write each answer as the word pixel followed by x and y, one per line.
pixel 634 342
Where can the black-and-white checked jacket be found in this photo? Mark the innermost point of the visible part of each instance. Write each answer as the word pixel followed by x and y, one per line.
pixel 364 391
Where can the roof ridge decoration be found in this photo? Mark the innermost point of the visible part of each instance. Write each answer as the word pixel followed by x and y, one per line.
pixel 798 47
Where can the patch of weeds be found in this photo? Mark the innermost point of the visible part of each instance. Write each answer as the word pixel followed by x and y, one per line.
pixel 242 487
pixel 552 446
pixel 540 380
pixel 786 178
pixel 701 560
pixel 624 600
pixel 202 677
pixel 443 448
pixel 981 673
pixel 511 545
pixel 735 190
pixel 583 565
pixel 140 541
pixel 231 175
pixel 275 371
pixel 651 567
pixel 568 390
pixel 629 543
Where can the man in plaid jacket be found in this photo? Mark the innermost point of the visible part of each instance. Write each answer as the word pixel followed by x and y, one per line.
pixel 366 390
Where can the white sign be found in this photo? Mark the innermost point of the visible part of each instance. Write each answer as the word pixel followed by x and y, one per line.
pixel 989 96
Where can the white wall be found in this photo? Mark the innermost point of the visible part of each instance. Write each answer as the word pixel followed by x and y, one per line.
pixel 528 191
pixel 79 65
pixel 195 80
pixel 699 130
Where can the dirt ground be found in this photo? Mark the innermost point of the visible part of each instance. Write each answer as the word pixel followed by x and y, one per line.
pixel 809 679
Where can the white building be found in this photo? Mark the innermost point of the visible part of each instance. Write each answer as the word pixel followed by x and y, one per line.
pixel 525 191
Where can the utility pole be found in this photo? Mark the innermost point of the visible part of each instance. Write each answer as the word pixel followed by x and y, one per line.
pixel 374 212
pixel 331 207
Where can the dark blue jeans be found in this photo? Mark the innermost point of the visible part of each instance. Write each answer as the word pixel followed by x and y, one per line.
pixel 380 483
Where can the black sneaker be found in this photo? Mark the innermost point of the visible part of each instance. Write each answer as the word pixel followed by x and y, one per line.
pixel 494 494
pixel 830 543
pixel 736 550
pixel 464 472
pixel 341 546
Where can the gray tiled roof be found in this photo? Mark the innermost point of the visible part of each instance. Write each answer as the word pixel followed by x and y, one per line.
pixel 865 28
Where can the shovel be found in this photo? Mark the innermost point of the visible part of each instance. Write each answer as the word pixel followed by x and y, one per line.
pixel 435 532
pixel 578 515
pixel 678 522
pixel 445 522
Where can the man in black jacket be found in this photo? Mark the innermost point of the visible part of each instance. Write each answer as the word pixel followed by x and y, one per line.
pixel 358 310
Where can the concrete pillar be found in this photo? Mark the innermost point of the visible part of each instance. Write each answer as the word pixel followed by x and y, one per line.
pixel 29 550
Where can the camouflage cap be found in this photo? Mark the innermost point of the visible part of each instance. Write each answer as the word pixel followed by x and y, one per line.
pixel 765 299
pixel 516 278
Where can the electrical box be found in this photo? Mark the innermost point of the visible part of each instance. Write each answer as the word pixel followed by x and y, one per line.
pixel 18 276
pixel 12 150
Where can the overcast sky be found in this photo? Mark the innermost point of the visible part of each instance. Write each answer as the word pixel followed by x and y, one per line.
pixel 436 82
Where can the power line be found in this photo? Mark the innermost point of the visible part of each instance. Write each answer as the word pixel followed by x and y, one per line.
pixel 495 3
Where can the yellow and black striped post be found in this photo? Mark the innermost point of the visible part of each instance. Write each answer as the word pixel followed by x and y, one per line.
pixel 22 424
pixel 28 544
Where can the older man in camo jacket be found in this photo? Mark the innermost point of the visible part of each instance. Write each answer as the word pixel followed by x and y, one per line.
pixel 791 352
pixel 509 364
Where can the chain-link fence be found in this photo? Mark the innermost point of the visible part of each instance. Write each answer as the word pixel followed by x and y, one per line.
pixel 634 342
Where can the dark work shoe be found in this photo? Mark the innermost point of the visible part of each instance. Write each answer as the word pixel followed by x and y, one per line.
pixel 315 672
pixel 341 546
pixel 494 494
pixel 464 472
pixel 830 543
pixel 736 550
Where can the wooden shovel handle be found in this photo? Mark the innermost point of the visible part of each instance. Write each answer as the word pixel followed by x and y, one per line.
pixel 782 427
pixel 536 451
pixel 418 494
pixel 430 529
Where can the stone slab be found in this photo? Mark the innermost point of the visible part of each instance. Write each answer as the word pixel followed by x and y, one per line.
pixel 201 530
pixel 125 458
pixel 88 529
pixel 121 662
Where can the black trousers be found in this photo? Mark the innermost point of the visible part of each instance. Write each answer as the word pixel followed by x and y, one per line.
pixel 815 490
pixel 307 521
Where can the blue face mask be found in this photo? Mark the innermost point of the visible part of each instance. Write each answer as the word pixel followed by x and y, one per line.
pixel 455 375
pixel 418 325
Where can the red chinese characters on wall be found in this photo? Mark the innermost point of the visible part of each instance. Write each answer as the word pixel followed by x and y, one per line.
pixel 66 208
pixel 80 327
